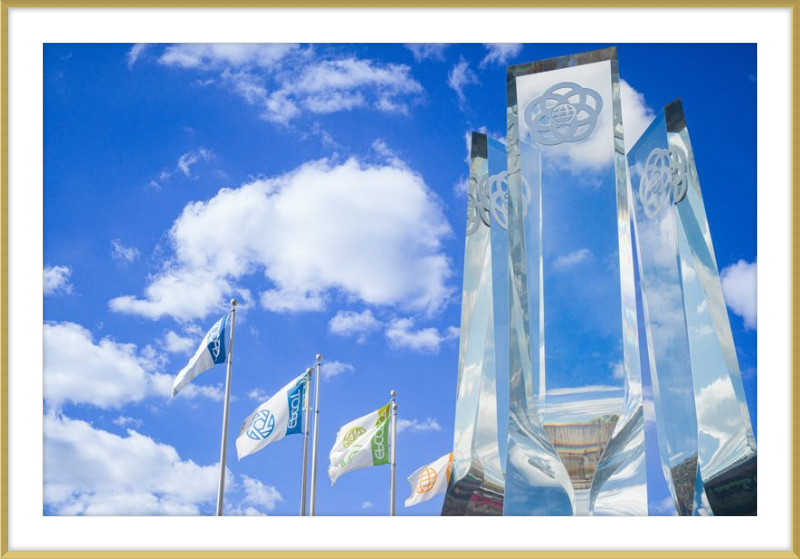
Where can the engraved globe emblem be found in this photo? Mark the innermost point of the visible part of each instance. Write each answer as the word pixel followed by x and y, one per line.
pixel 656 182
pixel 261 426
pixel 566 112
pixel 427 479
pixel 498 186
pixel 563 113
pixel 352 435
pixel 679 173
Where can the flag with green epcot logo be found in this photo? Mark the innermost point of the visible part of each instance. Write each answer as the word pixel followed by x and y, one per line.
pixel 362 443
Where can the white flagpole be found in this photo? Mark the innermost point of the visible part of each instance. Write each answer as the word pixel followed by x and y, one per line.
pixel 306 430
pixel 224 445
pixel 394 456
pixel 315 445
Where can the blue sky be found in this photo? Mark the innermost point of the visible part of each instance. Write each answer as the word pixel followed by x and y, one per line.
pixel 323 186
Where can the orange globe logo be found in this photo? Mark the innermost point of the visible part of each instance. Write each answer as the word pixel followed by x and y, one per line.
pixel 352 435
pixel 427 479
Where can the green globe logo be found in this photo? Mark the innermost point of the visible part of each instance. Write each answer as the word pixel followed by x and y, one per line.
pixel 352 435
pixel 352 454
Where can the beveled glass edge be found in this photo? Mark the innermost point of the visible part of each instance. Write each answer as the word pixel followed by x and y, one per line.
pixel 479 146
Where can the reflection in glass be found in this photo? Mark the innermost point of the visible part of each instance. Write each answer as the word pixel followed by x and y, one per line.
pixel 571 279
pixel 706 440
pixel 476 482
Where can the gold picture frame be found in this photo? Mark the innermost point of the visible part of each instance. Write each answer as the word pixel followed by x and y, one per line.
pixel 794 5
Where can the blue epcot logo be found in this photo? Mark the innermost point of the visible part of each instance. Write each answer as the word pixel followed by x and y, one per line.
pixel 262 426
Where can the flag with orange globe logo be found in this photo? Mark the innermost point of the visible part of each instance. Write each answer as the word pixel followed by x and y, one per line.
pixel 429 480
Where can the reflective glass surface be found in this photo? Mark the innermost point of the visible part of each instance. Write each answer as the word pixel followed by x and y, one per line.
pixel 573 333
pixel 476 482
pixel 704 431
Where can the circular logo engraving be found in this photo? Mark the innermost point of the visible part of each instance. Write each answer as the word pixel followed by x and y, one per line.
pixel 427 479
pixel 262 425
pixel 666 172
pixel 566 112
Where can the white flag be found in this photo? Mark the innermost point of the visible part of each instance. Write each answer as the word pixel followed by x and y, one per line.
pixel 361 443
pixel 279 416
pixel 430 480
pixel 212 350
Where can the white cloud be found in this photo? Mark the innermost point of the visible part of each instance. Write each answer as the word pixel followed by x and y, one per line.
pixel 572 259
pixel 135 52
pixel 175 343
pixel 124 421
pixel 285 81
pixel 739 283
pixel 460 77
pixel 636 115
pixel 417 426
pixel 183 165
pixel 256 493
pixel 258 395
pixel 106 374
pixel 351 323
pixel 500 53
pixel 617 370
pixel 123 254
pixel 89 471
pixel 363 244
pixel 331 369
pixel 226 55
pixel 56 280
pixel 424 51
pixel 366 505
pixel 189 159
pixel 401 334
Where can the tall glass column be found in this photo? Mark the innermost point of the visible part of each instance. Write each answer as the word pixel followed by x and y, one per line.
pixel 574 442
pixel 706 440
pixel 476 482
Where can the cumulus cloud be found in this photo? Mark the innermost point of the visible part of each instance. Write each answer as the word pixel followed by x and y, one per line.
pixel 286 81
pixel 56 280
pixel 739 282
pixel 177 343
pixel 425 51
pixel 401 334
pixel 89 471
pixel 331 369
pixel 106 374
pixel 500 53
pixel 459 78
pixel 259 494
pixel 351 323
pixel 572 259
pixel 417 426
pixel 123 254
pixel 364 244
pixel 636 114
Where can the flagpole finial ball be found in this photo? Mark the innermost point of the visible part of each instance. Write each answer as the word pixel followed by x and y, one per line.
pixel 319 357
pixel 233 302
pixel 393 393
pixel 310 371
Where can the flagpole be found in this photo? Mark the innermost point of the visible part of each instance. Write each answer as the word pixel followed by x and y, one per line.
pixel 394 456
pixel 224 445
pixel 306 430
pixel 315 445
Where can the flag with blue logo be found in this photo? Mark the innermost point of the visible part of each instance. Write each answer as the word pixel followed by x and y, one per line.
pixel 279 416
pixel 212 350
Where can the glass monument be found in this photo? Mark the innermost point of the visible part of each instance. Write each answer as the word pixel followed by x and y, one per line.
pixel 705 437
pixel 575 433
